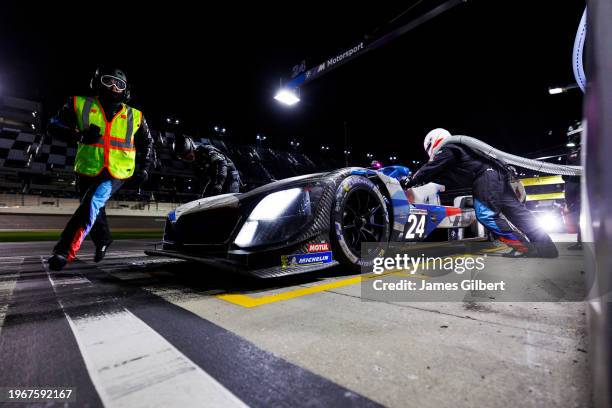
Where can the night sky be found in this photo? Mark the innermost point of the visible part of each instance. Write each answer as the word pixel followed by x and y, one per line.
pixel 482 69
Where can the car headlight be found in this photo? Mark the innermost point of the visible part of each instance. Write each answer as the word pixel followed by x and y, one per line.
pixel 277 217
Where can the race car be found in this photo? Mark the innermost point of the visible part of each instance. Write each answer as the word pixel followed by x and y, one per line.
pixel 305 223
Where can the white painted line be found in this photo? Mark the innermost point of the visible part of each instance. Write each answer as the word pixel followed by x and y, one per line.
pixel 70 280
pixel 131 365
pixel 7 286
pixel 11 260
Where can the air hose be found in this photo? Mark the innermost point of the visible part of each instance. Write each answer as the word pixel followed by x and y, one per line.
pixel 577 55
pixel 536 165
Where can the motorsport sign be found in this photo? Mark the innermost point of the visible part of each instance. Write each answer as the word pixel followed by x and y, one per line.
pixel 301 76
pixel 325 66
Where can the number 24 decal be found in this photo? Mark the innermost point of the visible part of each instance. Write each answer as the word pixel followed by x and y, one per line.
pixel 415 227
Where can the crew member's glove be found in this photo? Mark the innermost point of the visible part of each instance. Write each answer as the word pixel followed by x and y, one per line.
pixel 89 136
pixel 406 182
pixel 141 176
pixel 217 189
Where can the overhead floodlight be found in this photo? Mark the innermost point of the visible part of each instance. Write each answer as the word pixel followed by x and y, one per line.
pixel 556 90
pixel 287 96
pixel 570 144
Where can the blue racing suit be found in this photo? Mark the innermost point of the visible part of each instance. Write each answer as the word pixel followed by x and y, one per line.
pixel 90 217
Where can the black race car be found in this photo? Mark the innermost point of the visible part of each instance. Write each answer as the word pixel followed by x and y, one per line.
pixel 303 223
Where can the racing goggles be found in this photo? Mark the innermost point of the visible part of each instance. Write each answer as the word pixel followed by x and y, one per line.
pixel 110 81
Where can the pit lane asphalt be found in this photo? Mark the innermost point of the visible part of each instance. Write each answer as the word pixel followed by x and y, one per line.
pixel 319 346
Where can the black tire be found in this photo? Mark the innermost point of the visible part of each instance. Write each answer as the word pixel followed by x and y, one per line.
pixel 359 215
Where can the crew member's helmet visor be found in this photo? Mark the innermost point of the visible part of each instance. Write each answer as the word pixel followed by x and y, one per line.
pixel 109 81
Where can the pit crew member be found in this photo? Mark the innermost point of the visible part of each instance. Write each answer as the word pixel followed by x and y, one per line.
pixel 113 145
pixel 495 202
pixel 215 171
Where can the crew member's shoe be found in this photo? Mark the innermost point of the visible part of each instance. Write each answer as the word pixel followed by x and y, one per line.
pixel 575 247
pixel 101 252
pixel 57 262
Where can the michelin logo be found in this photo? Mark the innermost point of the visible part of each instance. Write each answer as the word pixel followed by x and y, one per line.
pixel 306 259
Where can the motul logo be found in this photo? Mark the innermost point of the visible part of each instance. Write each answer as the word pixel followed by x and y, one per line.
pixel 318 247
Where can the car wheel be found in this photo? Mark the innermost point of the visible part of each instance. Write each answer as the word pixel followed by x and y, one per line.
pixel 359 215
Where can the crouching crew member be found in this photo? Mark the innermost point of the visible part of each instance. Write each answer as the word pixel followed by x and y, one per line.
pixel 495 202
pixel 113 145
pixel 214 170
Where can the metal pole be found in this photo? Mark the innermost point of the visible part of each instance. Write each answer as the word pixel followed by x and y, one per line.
pixel 597 195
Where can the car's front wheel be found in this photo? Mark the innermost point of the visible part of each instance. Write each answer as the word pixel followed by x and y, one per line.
pixel 359 216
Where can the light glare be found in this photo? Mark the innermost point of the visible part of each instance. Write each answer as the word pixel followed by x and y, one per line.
pixel 287 96
pixel 548 222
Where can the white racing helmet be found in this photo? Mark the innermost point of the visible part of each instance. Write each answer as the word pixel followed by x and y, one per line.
pixel 433 140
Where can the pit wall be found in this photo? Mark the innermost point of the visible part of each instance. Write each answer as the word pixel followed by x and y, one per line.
pixel 34 204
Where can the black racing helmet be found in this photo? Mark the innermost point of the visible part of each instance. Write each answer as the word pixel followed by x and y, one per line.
pixel 111 81
pixel 184 148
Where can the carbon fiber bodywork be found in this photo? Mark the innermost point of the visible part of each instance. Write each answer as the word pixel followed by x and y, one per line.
pixel 264 261
pixel 205 230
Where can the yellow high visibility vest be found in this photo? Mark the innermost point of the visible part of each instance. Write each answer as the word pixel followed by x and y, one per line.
pixel 115 148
